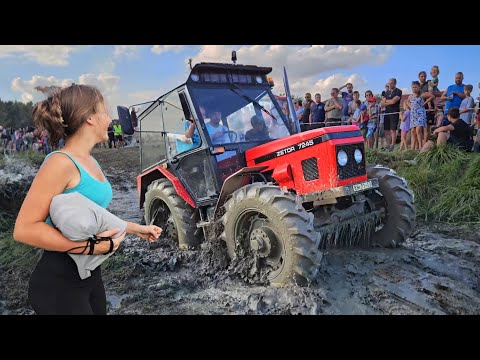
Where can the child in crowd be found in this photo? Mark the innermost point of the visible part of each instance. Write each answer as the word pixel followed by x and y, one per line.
pixel 404 127
pixel 372 121
pixel 363 121
pixel 418 116
pixel 467 105
pixel 433 83
pixel 355 119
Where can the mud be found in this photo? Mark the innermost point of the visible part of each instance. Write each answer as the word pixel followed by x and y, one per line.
pixel 16 176
pixel 437 271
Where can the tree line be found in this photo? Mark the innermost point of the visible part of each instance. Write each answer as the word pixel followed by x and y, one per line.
pixel 16 114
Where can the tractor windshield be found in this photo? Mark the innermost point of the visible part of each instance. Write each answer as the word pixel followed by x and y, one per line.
pixel 242 114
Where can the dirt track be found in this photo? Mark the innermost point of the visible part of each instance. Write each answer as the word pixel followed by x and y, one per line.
pixel 437 271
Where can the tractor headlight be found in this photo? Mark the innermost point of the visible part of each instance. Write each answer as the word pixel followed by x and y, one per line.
pixel 358 155
pixel 342 158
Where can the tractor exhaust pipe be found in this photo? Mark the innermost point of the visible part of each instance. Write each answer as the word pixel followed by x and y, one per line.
pixel 291 108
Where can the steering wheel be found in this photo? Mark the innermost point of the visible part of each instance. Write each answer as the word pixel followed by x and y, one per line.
pixel 229 132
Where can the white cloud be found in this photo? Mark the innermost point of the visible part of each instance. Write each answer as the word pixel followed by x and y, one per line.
pixel 42 54
pixel 129 51
pixel 27 87
pixel 107 84
pixel 143 96
pixel 159 49
pixel 300 60
pixel 304 64
pixel 323 86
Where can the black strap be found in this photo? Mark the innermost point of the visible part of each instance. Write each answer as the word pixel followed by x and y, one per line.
pixel 94 240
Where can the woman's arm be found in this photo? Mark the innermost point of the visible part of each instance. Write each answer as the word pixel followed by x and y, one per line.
pixel 52 178
pixel 147 232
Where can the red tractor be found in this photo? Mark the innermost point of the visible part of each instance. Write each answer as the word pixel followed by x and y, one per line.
pixel 219 156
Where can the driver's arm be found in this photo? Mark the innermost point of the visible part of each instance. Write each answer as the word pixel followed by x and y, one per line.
pixel 190 130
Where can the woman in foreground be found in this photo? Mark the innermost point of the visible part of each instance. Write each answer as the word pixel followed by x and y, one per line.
pixel 78 114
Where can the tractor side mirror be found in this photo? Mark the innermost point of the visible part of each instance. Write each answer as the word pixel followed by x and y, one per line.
pixel 125 120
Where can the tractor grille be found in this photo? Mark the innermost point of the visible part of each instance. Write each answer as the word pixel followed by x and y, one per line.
pixel 352 168
pixel 310 169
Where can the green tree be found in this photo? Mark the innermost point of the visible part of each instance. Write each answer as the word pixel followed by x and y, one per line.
pixel 16 114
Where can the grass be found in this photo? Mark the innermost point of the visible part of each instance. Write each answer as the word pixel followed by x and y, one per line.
pixel 17 262
pixel 445 180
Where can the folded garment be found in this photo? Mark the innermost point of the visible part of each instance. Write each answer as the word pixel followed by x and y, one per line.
pixel 79 219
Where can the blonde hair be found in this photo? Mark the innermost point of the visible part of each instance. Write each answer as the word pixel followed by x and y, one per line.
pixel 65 110
pixel 436 68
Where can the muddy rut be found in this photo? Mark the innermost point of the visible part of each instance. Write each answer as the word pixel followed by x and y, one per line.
pixel 437 271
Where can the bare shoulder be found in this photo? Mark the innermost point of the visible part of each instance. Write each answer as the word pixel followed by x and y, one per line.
pixel 59 167
pixel 58 160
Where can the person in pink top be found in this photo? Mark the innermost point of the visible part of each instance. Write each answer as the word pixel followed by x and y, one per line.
pixel 404 128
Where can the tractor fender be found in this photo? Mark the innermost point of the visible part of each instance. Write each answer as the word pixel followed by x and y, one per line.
pixel 158 172
pixel 234 182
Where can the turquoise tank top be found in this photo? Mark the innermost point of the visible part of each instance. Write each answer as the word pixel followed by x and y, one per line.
pixel 100 192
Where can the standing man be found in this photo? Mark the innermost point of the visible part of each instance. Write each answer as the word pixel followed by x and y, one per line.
pixel 392 105
pixel 453 96
pixel 347 97
pixel 118 134
pixel 317 110
pixel 333 109
pixel 422 79
pixel 305 118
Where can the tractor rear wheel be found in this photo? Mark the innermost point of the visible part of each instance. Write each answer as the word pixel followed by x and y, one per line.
pixel 271 225
pixel 166 209
pixel 397 200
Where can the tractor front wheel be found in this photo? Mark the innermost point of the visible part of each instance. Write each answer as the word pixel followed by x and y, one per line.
pixel 272 226
pixel 166 209
pixel 397 199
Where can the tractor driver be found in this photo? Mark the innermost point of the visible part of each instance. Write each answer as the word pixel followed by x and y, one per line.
pixel 218 133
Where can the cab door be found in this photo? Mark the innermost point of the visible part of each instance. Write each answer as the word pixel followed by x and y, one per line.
pixel 189 157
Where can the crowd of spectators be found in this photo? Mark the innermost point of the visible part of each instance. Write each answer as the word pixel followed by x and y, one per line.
pixel 33 140
pixel 416 120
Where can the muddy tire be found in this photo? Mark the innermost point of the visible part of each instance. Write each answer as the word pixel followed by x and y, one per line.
pixel 175 216
pixel 289 250
pixel 400 211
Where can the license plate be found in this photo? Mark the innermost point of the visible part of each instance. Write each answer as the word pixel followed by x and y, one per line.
pixel 362 186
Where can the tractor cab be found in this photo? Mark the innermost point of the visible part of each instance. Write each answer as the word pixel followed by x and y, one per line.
pixel 202 129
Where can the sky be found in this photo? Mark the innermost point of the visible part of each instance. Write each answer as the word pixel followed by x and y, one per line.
pixel 131 74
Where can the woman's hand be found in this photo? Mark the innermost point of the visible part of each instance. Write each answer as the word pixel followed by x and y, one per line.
pixel 149 232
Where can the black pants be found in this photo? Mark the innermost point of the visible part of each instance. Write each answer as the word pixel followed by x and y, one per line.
pixel 55 288
pixel 111 140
